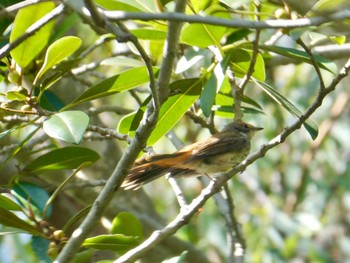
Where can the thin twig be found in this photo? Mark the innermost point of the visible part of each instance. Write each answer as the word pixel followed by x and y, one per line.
pixel 314 62
pixel 109 132
pixel 231 23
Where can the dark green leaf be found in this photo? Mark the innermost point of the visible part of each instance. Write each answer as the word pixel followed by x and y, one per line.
pixel 9 219
pixel 302 56
pixel 35 195
pixel 50 101
pixel 69 126
pixel 8 204
pixel 124 81
pixel 213 85
pixel 129 123
pixel 63 158
pixel 310 126
pixel 176 106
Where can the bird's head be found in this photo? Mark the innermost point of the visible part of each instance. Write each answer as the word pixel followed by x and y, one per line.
pixel 242 127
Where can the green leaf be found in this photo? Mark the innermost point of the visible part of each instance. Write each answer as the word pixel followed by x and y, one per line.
pixel 202 35
pixel 176 106
pixel 128 225
pixel 69 226
pixel 9 219
pixel 129 123
pixel 56 73
pixel 124 81
pixel 115 242
pixel 69 126
pixel 15 95
pixel 213 85
pixel 35 195
pixel 7 132
pixel 128 6
pixel 149 33
pixel 340 40
pixel 302 56
pixel 310 126
pixel 8 204
pixel 122 61
pixel 62 158
pixel 325 7
pixel 241 59
pixel 58 51
pixel 30 48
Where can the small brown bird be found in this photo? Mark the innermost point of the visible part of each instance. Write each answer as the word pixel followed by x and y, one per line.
pixel 216 154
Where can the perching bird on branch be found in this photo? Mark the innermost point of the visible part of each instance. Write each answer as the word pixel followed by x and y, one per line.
pixel 216 154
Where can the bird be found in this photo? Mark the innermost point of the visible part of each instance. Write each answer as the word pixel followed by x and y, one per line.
pixel 214 155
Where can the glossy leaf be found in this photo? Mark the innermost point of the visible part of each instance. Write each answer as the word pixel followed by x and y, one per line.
pixel 122 61
pixel 62 158
pixel 69 126
pixel 30 48
pixel 149 33
pixel 241 60
pixel 50 101
pixel 35 195
pixel 115 242
pixel 127 5
pixel 302 56
pixel 176 106
pixel 202 35
pixel 15 95
pixel 310 126
pixel 58 51
pixel 129 123
pixel 9 219
pixel 128 225
pixel 8 204
pixel 124 81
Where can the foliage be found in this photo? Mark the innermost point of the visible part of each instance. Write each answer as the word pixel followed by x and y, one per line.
pixel 72 81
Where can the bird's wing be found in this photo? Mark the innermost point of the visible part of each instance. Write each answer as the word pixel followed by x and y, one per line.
pixel 223 143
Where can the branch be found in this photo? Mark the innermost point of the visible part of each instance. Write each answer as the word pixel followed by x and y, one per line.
pixel 231 23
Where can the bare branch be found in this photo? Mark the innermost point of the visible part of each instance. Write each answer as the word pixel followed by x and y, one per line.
pixel 231 23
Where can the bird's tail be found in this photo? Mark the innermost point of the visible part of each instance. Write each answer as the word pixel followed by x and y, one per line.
pixel 142 174
pixel 152 167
